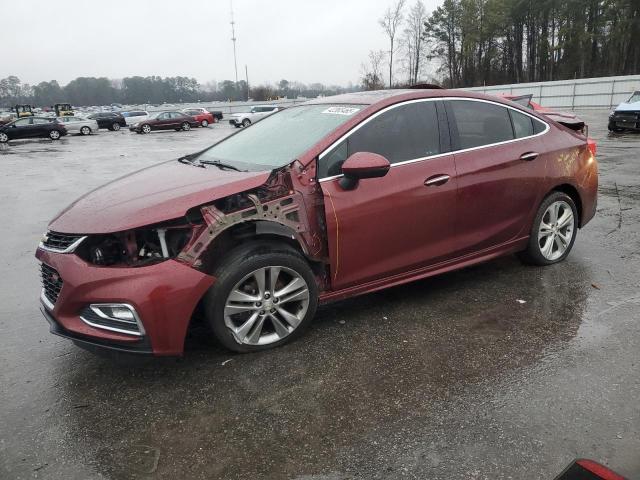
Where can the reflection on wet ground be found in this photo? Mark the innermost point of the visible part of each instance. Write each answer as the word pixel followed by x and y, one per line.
pixel 490 372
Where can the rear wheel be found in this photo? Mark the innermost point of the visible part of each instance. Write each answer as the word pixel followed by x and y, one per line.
pixel 265 295
pixel 246 122
pixel 4 138
pixel 185 127
pixel 85 131
pixel 554 231
pixel 54 134
pixel 146 129
pixel 204 123
pixel 115 127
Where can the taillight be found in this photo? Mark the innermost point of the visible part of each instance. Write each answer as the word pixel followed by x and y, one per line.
pixel 593 147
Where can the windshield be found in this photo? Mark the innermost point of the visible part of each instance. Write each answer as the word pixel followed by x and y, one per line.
pixel 280 138
pixel 634 98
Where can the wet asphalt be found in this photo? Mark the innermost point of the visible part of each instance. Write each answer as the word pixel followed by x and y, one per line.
pixel 497 371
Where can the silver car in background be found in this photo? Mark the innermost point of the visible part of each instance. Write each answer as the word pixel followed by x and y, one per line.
pixel 135 116
pixel 79 125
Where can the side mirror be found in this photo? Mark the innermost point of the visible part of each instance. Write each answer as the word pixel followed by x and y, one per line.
pixel 363 165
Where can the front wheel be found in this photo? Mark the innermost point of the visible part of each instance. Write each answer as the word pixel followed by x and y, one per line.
pixel 85 131
pixel 54 134
pixel 146 129
pixel 204 123
pixel 185 127
pixel 265 295
pixel 246 122
pixel 115 127
pixel 554 231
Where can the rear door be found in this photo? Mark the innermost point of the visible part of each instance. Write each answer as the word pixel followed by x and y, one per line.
pixel 399 222
pixel 500 157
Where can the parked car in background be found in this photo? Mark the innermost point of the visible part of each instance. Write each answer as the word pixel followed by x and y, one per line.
pixel 217 114
pixel 32 127
pixel 626 116
pixel 244 119
pixel 265 224
pixel 202 116
pixel 165 121
pixel 109 120
pixel 134 116
pixel 84 126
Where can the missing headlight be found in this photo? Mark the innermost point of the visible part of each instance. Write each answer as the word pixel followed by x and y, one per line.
pixel 139 247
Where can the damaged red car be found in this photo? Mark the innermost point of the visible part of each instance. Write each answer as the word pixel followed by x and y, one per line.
pixel 337 197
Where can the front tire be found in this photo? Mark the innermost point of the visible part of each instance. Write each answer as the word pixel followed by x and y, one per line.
pixel 54 135
pixel 204 123
pixel 265 296
pixel 246 122
pixel 553 232
pixel 146 129
pixel 115 127
pixel 85 131
pixel 185 127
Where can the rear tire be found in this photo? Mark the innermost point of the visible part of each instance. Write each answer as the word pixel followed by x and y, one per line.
pixel 185 127
pixel 278 315
pixel 4 138
pixel 204 123
pixel 554 231
pixel 54 135
pixel 115 127
pixel 145 129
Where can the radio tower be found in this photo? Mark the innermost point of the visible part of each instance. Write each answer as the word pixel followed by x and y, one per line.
pixel 233 39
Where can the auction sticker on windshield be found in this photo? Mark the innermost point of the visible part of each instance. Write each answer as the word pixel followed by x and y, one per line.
pixel 341 110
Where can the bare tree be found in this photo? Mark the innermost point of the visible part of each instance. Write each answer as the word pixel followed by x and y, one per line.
pixel 413 41
pixel 390 22
pixel 372 71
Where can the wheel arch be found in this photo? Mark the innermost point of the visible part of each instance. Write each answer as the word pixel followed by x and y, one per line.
pixel 575 196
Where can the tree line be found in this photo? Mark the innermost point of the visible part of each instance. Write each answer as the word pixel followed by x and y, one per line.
pixel 467 43
pixel 87 91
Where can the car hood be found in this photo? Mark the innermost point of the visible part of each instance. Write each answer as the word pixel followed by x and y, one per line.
pixel 152 195
pixel 628 107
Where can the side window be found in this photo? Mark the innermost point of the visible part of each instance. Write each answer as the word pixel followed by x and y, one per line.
pixel 42 121
pixel 522 124
pixel 24 122
pixel 407 132
pixel 481 123
pixel 538 126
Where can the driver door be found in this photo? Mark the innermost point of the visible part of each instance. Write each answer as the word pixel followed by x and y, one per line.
pixel 400 222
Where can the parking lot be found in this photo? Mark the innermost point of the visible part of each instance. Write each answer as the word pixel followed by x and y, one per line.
pixel 496 371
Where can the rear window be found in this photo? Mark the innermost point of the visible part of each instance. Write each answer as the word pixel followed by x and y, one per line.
pixel 522 124
pixel 481 123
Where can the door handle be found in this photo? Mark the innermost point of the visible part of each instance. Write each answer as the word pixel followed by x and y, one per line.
pixel 436 180
pixel 529 156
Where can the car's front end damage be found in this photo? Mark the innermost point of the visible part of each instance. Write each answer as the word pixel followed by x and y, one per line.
pixel 136 289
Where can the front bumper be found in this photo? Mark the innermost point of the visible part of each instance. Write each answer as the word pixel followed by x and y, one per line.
pixel 625 120
pixel 164 296
pixel 235 121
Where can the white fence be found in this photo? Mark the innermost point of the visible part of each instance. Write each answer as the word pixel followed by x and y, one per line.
pixel 604 92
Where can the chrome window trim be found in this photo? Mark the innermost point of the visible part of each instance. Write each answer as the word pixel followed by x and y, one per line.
pixel 45 301
pixel 138 322
pixel 69 249
pixel 452 152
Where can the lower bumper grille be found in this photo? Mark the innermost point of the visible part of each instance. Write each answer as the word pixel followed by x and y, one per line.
pixel 51 283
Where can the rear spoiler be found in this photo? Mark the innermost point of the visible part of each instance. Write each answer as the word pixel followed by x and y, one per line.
pixel 574 123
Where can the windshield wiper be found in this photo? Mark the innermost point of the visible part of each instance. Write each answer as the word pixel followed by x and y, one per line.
pixel 221 165
pixel 187 160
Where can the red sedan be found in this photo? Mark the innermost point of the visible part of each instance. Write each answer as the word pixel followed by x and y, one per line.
pixel 201 115
pixel 337 197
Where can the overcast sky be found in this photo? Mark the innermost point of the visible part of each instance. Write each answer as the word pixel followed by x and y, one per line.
pixel 306 40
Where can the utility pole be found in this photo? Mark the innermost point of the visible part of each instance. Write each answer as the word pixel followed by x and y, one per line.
pixel 246 74
pixel 233 39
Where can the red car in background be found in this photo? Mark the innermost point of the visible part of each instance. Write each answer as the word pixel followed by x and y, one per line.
pixel 336 197
pixel 201 115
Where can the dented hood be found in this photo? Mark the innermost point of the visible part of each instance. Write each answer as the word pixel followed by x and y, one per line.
pixel 152 195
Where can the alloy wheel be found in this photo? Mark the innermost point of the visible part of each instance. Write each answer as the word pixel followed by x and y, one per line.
pixel 186 126
pixel 556 230
pixel 204 123
pixel 116 127
pixel 266 306
pixel 54 135
pixel 146 128
pixel 4 137
pixel 85 130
